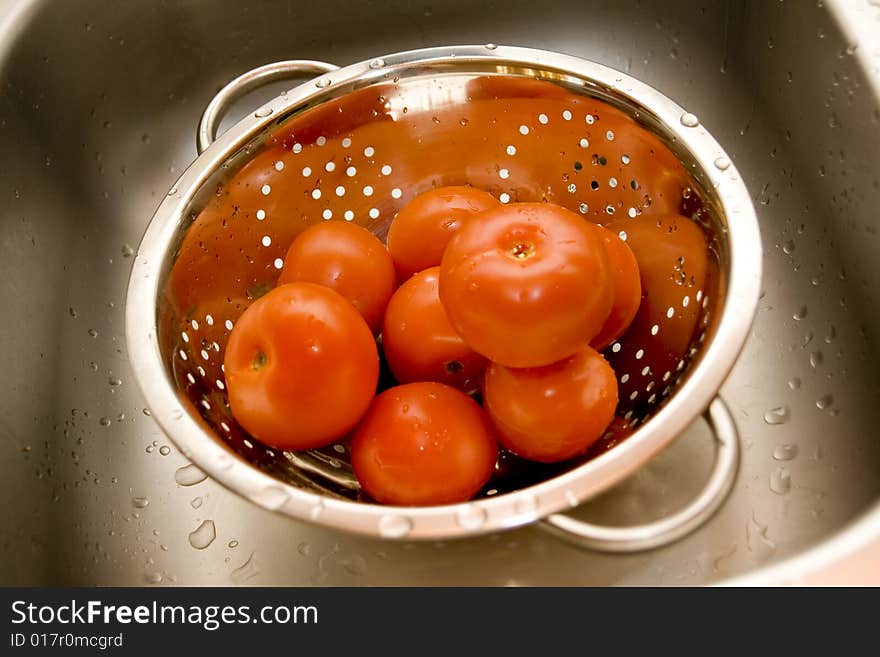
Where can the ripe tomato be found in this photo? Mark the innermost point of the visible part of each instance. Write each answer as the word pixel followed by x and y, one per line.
pixel 627 290
pixel 554 412
pixel 526 285
pixel 301 367
pixel 420 343
pixel 424 226
pixel 346 258
pixel 423 444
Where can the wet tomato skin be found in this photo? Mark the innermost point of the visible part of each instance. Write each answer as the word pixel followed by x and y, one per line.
pixel 627 290
pixel 347 258
pixel 423 444
pixel 555 412
pixel 301 367
pixel 423 227
pixel 526 284
pixel 419 342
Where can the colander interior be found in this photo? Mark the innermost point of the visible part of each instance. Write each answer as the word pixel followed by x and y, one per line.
pixel 363 153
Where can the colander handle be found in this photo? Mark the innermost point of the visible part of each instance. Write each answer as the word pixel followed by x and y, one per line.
pixel 669 529
pixel 247 82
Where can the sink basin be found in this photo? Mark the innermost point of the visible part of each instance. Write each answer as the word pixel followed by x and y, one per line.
pixel 97 121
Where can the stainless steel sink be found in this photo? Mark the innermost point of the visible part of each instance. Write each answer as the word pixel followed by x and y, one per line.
pixel 97 119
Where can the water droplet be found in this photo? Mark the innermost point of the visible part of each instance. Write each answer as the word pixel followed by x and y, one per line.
pixel 471 517
pixel 689 120
pixel 756 536
pixel 777 415
pixel 800 314
pixel 526 504
pixel 794 383
pixel 127 251
pixel 305 549
pixel 195 502
pixel 104 421
pixel 571 498
pixel 780 481
pixel 394 526
pixel 140 502
pixel 172 191
pixel 722 163
pixel 263 112
pixel 322 83
pixel 816 359
pixel 377 63
pixel 164 450
pixel 788 247
pixel 203 535
pixel 114 381
pixel 491 46
pixel 832 333
pixel 93 333
pixel 785 452
pixel 232 544
pixel 271 497
pixel 246 571
pixel 189 475
pixel 153 578
pixel 824 402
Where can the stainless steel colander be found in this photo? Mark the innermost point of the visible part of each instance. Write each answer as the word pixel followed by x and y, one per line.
pixel 358 143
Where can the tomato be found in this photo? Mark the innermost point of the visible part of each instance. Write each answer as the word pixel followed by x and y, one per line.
pixel 554 412
pixel 526 285
pixel 672 252
pixel 627 290
pixel 422 229
pixel 301 367
pixel 420 343
pixel 346 258
pixel 423 444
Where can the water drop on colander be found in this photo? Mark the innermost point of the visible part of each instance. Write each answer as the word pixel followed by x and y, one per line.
pixel 377 63
pixel 263 112
pixel 394 526
pixel 722 163
pixel 526 504
pixel 471 517
pixel 689 120
pixel 491 46
pixel 271 497
pixel 322 83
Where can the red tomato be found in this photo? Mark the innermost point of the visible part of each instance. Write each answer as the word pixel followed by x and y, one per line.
pixel 554 412
pixel 301 367
pixel 526 285
pixel 627 290
pixel 423 444
pixel 420 343
pixel 346 258
pixel 423 228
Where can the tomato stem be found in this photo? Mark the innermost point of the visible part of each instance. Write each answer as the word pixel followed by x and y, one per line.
pixel 521 250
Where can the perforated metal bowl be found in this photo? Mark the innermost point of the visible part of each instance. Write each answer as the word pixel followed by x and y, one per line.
pixel 356 144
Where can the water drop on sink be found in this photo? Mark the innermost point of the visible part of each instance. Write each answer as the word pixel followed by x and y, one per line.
pixel 377 63
pixel 127 251
pixel 189 475
pixel 471 517
pixel 722 163
pixel 777 415
pixel 114 381
pixel 824 402
pixel 140 502
pixel 196 502
pixel 172 191
pixel 394 526
pixel 232 544
pixel 164 450
pixel 800 314
pixel 794 383
pixel 247 570
pixel 780 481
pixel 785 452
pixel 832 333
pixel 104 421
pixel 153 578
pixel 816 359
pixel 571 498
pixel 689 120
pixel 788 247
pixel 263 112
pixel 305 549
pixel 203 535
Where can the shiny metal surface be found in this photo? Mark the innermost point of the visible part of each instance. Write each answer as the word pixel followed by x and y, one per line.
pixel 676 525
pixel 202 437
pixel 96 145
